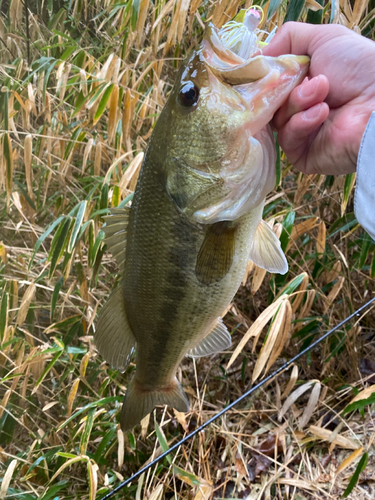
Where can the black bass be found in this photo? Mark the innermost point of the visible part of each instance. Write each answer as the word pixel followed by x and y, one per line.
pixel 196 218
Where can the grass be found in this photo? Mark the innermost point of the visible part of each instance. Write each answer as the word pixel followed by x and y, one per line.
pixel 82 84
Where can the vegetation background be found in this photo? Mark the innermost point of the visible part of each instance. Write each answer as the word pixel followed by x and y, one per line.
pixel 82 84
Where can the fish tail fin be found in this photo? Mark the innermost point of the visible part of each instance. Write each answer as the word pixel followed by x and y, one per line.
pixel 139 402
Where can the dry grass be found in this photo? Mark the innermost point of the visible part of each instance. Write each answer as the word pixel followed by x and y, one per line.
pixel 81 91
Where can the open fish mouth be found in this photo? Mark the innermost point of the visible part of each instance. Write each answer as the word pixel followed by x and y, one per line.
pixel 234 53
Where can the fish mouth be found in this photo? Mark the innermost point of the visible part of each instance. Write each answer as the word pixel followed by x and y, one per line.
pixel 234 69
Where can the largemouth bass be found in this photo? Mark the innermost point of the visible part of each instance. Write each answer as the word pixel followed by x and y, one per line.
pixel 196 218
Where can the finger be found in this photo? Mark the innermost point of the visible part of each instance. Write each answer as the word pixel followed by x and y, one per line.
pixel 292 38
pixel 301 38
pixel 295 136
pixel 303 97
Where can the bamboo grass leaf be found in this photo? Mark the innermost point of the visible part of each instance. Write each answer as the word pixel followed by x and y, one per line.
pixel 162 441
pixel 43 237
pixel 87 431
pixel 55 294
pixel 362 464
pixel 3 314
pixel 294 10
pixel 59 244
pixel 93 404
pixel 288 224
pixel 46 370
pixel 8 155
pixel 77 225
pixel 103 102
pixel 274 5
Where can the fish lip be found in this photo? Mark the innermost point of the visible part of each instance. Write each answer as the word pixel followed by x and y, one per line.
pixel 234 70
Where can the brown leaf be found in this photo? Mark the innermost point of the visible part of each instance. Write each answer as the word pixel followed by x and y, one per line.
pixel 262 465
pixel 367 369
pixel 267 447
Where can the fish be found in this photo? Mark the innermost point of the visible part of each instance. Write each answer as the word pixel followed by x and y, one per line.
pixel 183 245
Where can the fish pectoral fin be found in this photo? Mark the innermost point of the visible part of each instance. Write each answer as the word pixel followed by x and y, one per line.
pixel 113 336
pixel 266 250
pixel 115 233
pixel 217 340
pixel 139 402
pixel 215 256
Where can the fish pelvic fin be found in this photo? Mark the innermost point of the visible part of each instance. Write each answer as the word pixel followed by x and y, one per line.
pixel 115 230
pixel 113 336
pixel 217 340
pixel 266 251
pixel 140 402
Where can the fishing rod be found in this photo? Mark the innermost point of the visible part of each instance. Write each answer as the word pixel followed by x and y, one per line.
pixel 231 405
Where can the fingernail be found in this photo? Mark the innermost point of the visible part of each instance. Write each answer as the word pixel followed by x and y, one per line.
pixel 311 113
pixel 307 88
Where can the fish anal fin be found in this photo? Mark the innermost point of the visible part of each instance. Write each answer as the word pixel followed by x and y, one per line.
pixel 139 402
pixel 215 256
pixel 115 233
pixel 266 251
pixel 113 336
pixel 217 340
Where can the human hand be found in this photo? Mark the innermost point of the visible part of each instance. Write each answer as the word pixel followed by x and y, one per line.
pixel 321 124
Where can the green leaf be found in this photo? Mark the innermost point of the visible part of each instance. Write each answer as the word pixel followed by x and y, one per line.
pixel 126 200
pixel 63 324
pixel 192 478
pixel 294 10
pixel 77 225
pixel 47 369
pixel 52 490
pixel 293 285
pixel 107 438
pixel 365 247
pixel 93 250
pixel 343 224
pixel 162 440
pixel 354 479
pixel 103 102
pixel 68 52
pixel 274 5
pixel 135 12
pixel 47 74
pixel 4 304
pixel 7 149
pixel 42 238
pixel 94 404
pixel 317 16
pixel 348 188
pixel 5 109
pixel 288 223
pixel 87 431
pixel 59 243
pixel 359 405
pixel 65 455
pixel 55 294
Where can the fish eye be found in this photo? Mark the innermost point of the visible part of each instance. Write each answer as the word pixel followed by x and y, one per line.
pixel 189 95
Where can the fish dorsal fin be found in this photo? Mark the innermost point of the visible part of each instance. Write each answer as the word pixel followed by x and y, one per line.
pixel 266 250
pixel 217 340
pixel 113 336
pixel 115 233
pixel 215 256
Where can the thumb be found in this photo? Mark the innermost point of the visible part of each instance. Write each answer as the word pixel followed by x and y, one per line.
pixel 294 38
